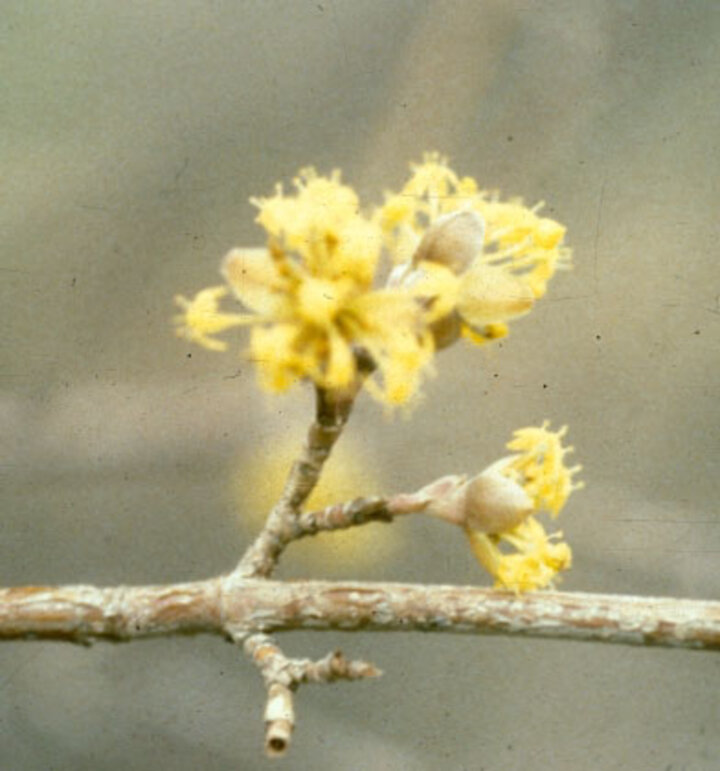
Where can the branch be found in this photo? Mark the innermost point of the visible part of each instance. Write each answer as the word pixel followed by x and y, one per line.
pixel 236 609
pixel 282 676
pixel 245 607
pixel 331 414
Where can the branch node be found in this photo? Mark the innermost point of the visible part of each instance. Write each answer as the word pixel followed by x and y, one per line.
pixel 334 667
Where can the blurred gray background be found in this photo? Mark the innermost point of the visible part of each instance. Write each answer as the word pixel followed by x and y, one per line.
pixel 132 136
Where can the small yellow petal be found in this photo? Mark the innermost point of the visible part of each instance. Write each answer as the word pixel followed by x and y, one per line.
pixel 485 549
pixel 202 318
pixel 485 334
pixel 548 233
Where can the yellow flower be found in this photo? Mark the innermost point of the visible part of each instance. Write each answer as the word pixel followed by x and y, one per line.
pixel 529 245
pixel 517 255
pixel 467 264
pixel 201 318
pixel 540 468
pixel 310 301
pixel 323 226
pixel 535 563
pixel 536 479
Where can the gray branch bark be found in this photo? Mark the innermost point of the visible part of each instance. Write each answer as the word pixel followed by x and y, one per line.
pixel 238 608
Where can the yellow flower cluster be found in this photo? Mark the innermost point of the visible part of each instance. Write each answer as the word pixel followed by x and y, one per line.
pixel 539 467
pixel 466 263
pixel 518 250
pixel 310 299
pixel 539 470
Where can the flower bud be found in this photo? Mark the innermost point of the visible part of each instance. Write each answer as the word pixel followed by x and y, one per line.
pixel 493 503
pixel 453 240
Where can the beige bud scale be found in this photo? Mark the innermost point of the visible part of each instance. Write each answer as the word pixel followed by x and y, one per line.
pixel 490 294
pixel 250 273
pixel 453 240
pixel 494 503
pixel 446 331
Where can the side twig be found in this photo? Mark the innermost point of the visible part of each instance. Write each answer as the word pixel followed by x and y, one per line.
pixel 282 677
